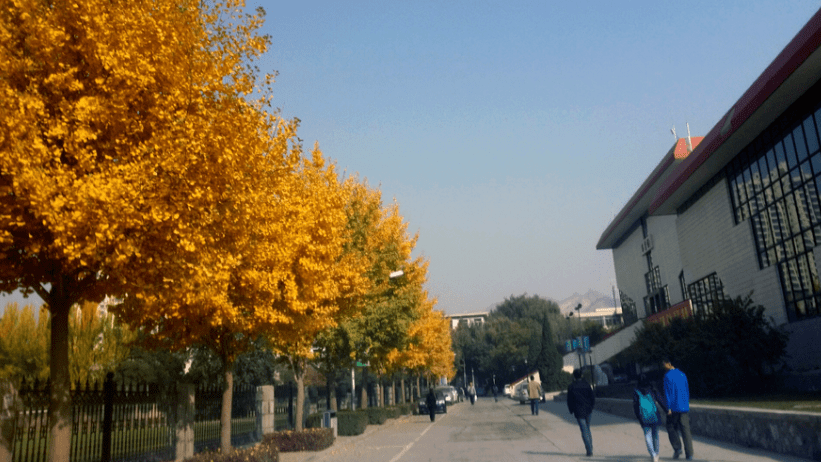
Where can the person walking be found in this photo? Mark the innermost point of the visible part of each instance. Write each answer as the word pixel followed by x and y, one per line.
pixel 647 405
pixel 472 393
pixel 430 400
pixel 495 393
pixel 677 394
pixel 534 392
pixel 580 402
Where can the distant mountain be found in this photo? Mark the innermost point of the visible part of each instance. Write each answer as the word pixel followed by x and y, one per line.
pixel 590 301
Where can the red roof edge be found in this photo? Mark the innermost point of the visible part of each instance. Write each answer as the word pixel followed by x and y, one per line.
pixel 791 57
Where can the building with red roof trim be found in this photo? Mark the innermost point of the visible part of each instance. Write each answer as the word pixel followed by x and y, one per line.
pixel 738 212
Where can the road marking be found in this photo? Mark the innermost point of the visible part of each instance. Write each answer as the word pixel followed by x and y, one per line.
pixel 410 445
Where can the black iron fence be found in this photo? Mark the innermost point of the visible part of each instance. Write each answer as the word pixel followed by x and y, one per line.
pixel 125 422
pixel 109 423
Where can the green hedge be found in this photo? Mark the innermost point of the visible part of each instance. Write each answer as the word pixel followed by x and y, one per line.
pixel 393 412
pixel 258 453
pixel 312 439
pixel 377 415
pixel 351 423
pixel 314 420
pixel 405 408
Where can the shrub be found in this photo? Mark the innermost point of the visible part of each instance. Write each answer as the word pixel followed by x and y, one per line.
pixel 314 420
pixel 258 453
pixel 312 439
pixel 405 408
pixel 393 412
pixel 351 423
pixel 377 415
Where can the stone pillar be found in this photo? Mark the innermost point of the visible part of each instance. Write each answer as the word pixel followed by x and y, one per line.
pixel 184 422
pixel 8 414
pixel 265 410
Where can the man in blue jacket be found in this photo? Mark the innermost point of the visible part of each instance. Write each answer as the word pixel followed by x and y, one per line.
pixel 677 393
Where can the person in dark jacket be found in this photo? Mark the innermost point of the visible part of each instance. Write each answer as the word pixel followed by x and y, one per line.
pixel 430 400
pixel 649 421
pixel 580 402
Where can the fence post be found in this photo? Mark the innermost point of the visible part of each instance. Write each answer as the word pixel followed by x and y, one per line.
pixel 265 411
pixel 108 412
pixel 184 421
pixel 8 415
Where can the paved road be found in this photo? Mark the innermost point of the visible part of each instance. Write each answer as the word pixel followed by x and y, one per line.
pixel 506 431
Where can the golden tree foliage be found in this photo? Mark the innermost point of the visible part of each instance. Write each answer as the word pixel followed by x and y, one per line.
pixel 97 341
pixel 125 134
pixel 430 351
pixel 323 278
pixel 23 344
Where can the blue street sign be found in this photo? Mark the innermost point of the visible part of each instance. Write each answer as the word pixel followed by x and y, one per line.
pixel 568 346
pixel 586 343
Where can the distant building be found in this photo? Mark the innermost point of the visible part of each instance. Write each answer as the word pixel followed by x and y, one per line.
pixel 467 319
pixel 607 317
pixel 737 211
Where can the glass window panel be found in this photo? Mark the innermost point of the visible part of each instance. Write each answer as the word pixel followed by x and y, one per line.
pixel 786 186
pixel 739 217
pixel 748 184
pixel 754 205
pixel 755 175
pixel 789 149
pixel 768 196
pixel 763 262
pixel 795 279
pixel 785 278
pixel 789 249
pixel 814 280
pixel 775 222
pixel 779 252
pixel 777 191
pixel 816 163
pixel 781 158
pixel 813 204
pixel 734 190
pixel 795 176
pixel 800 146
pixel 771 162
pixel 806 172
pixel 771 257
pixel 812 308
pixel 809 239
pixel 818 121
pixel 767 230
pixel 765 172
pixel 742 195
pixel 812 135
pixel 800 309
pixel 806 275
pixel 802 209
pixel 798 244
pixel 745 212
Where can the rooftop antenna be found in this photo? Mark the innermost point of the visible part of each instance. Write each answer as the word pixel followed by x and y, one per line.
pixel 689 141
pixel 673 130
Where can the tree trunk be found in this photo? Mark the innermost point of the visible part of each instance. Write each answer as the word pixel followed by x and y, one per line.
pixel 418 388
pixel 402 384
pixel 332 393
pixel 299 376
pixel 227 402
pixel 60 396
pixel 364 402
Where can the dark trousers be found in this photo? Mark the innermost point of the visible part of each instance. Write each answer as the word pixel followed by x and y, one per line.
pixel 584 426
pixel 432 414
pixel 678 429
pixel 534 406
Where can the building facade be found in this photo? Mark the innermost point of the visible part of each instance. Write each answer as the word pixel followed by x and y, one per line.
pixel 467 319
pixel 738 211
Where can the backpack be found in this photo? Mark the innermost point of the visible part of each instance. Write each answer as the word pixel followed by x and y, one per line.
pixel 648 412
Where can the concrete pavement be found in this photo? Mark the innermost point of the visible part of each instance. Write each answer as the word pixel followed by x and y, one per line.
pixel 491 431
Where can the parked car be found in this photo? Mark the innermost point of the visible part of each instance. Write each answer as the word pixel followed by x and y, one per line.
pixel 451 394
pixel 506 391
pixel 441 403
pixel 522 395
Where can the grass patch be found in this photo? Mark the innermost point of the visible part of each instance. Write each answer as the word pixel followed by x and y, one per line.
pixel 779 402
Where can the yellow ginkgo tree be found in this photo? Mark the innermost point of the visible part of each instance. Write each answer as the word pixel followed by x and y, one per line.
pixel 127 130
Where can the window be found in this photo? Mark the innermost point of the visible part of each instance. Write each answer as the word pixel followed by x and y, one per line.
pixel 704 293
pixel 774 184
pixel 657 299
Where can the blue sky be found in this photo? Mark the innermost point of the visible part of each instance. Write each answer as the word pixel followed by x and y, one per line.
pixel 511 133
